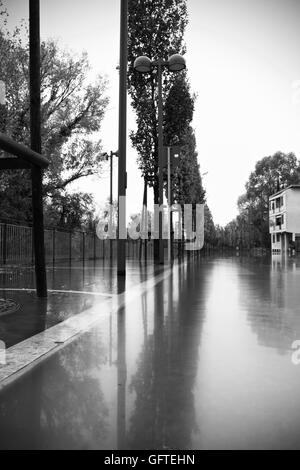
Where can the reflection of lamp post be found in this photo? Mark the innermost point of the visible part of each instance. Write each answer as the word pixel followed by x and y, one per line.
pixel 143 64
pixel 121 368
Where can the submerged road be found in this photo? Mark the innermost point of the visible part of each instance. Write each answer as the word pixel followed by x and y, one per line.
pixel 200 359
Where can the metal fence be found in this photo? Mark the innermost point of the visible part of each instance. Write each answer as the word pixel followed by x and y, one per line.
pixel 16 246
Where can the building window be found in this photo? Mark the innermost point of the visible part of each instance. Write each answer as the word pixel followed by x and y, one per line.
pixel 281 201
pixel 278 203
pixel 282 219
pixel 278 237
pixel 274 239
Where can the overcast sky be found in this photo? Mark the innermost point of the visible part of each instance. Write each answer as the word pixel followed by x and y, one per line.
pixel 243 60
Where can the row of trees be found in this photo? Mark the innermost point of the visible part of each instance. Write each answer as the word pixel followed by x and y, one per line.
pixel 73 110
pixel 157 31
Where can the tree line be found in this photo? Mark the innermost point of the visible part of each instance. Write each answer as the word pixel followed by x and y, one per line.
pixel 156 30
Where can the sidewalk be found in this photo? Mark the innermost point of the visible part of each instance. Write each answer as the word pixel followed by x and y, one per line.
pixel 71 290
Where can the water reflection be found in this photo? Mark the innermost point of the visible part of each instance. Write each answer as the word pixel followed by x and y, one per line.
pixel 164 412
pixel 36 315
pixel 200 360
pixel 60 404
pixel 121 369
pixel 271 297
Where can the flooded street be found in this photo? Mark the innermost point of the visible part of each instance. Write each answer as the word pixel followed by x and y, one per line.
pixel 200 358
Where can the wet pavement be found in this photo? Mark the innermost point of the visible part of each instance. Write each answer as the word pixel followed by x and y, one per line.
pixel 72 290
pixel 201 359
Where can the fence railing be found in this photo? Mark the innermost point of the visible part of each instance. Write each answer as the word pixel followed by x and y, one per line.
pixel 16 246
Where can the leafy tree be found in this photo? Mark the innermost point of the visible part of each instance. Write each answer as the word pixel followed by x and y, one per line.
pixel 72 112
pixel 179 110
pixel 271 174
pixel 220 236
pixel 71 211
pixel 187 184
pixel 209 227
pixel 155 29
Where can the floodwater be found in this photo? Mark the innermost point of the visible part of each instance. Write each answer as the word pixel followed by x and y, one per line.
pixel 202 360
pixel 71 290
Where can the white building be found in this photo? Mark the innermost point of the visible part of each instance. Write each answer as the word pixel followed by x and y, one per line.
pixel 285 219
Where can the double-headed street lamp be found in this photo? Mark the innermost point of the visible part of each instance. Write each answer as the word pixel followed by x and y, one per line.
pixel 143 64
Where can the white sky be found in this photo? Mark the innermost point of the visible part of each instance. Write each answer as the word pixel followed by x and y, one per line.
pixel 243 59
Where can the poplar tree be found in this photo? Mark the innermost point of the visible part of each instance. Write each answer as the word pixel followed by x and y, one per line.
pixel 156 29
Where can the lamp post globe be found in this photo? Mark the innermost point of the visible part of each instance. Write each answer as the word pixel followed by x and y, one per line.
pixel 142 64
pixel 176 63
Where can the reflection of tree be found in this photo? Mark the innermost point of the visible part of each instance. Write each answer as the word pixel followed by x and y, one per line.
pixel 35 315
pixel 60 404
pixel 31 318
pixel 164 415
pixel 271 297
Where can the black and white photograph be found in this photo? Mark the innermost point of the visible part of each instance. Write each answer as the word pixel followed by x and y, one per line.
pixel 150 227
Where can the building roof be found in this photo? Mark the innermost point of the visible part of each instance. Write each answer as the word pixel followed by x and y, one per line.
pixel 292 186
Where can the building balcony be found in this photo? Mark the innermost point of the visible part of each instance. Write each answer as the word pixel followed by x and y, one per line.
pixel 277 228
pixel 277 211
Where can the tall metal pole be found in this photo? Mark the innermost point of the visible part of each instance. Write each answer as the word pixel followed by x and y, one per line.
pixel 145 204
pixel 111 203
pixel 170 206
pixel 35 131
pixel 160 159
pixel 111 179
pixel 122 139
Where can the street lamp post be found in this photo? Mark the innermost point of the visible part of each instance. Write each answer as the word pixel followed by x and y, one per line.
pixel 122 181
pixel 35 138
pixel 110 157
pixel 143 64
